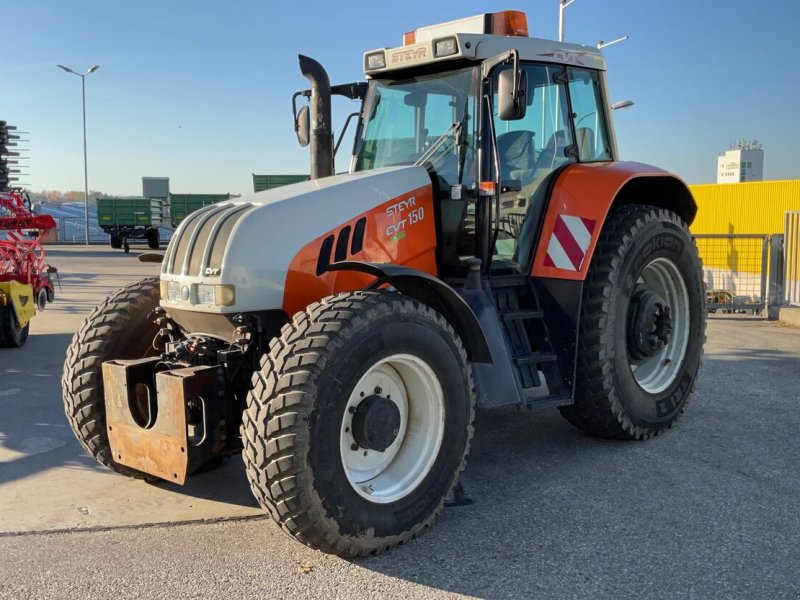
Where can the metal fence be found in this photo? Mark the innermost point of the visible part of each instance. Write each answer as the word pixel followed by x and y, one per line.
pixel 735 268
pixel 791 258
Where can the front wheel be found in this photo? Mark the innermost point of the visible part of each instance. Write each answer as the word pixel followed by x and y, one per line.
pixel 642 326
pixel 359 422
pixel 117 329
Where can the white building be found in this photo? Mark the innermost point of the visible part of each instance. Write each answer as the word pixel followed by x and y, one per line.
pixel 743 162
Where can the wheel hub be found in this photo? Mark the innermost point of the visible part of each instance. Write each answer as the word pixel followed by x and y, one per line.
pixel 649 325
pixel 376 423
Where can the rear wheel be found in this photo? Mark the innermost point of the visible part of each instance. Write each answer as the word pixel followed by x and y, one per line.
pixel 642 326
pixel 11 334
pixel 359 422
pixel 117 329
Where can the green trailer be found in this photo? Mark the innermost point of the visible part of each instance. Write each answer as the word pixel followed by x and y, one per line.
pixel 181 205
pixel 131 217
pixel 267 182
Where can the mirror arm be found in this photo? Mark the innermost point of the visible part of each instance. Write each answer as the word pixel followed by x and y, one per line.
pixel 305 94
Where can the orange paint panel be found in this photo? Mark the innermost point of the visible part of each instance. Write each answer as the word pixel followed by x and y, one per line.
pixel 400 231
pixel 583 194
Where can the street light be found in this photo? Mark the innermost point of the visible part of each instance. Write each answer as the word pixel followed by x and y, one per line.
pixel 562 6
pixel 91 70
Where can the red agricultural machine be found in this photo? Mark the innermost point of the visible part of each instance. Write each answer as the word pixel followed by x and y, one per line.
pixel 25 282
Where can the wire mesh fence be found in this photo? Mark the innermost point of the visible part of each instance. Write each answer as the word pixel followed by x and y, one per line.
pixel 735 271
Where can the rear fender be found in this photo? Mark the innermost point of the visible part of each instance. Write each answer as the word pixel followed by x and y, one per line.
pixel 581 199
pixel 432 292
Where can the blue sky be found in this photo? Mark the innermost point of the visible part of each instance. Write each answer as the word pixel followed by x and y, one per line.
pixel 201 91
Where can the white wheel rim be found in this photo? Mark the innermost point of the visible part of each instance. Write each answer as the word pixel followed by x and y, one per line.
pixel 387 476
pixel 659 371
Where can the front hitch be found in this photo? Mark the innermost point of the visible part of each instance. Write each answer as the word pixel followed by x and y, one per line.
pixel 168 423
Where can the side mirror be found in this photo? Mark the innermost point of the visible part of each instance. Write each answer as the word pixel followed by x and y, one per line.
pixel 302 126
pixel 512 89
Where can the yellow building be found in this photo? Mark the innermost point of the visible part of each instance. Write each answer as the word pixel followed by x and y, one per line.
pixel 755 207
pixel 733 265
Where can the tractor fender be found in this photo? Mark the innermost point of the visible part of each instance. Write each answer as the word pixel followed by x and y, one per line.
pixel 432 292
pixel 580 200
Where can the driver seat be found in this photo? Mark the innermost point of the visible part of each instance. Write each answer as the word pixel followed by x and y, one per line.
pixel 517 155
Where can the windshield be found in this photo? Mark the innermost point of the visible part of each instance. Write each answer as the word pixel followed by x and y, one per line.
pixel 428 119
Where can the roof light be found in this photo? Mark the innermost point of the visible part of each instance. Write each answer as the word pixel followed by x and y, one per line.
pixel 509 22
pixel 375 60
pixel 445 47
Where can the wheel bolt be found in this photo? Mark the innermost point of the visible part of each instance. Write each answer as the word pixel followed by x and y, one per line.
pixel 351 410
pixel 353 447
pixel 378 390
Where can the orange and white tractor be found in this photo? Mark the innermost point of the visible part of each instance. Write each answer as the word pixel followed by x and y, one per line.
pixel 485 248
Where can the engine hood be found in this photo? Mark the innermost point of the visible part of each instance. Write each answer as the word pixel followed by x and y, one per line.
pixel 254 242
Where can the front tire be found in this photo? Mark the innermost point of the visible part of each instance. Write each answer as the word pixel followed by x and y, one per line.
pixel 117 329
pixel 642 326
pixel 359 422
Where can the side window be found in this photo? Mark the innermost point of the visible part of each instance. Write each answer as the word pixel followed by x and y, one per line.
pixel 392 135
pixel 534 145
pixel 529 149
pixel 590 117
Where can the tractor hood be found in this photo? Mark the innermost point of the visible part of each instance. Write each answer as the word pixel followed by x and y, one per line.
pixel 238 256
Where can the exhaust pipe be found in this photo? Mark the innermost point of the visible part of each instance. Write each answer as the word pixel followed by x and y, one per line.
pixel 321 127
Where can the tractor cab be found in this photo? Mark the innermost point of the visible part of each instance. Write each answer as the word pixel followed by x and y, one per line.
pixel 490 113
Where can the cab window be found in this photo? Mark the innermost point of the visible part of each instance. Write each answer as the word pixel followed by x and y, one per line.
pixel 591 135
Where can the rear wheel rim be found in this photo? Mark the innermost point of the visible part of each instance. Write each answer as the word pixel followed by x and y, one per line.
pixel 389 475
pixel 657 373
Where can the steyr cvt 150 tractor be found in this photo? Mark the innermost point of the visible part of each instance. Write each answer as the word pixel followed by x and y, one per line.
pixel 486 248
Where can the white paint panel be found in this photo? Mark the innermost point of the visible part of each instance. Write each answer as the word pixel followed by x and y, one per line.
pixel 558 256
pixel 262 245
pixel 578 231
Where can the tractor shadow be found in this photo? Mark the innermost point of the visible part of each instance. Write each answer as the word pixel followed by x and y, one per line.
pixel 35 436
pixel 557 513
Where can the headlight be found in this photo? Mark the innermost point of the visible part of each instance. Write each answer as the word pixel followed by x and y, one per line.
pixel 376 60
pixel 218 295
pixel 170 290
pixel 445 47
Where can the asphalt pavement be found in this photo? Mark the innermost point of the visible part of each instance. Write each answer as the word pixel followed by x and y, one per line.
pixel 708 510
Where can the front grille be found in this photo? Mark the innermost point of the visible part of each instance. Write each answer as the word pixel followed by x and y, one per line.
pixel 201 241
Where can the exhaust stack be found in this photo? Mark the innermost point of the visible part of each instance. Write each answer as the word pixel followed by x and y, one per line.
pixel 321 126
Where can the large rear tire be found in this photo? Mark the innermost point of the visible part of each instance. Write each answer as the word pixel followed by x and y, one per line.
pixel 359 422
pixel 642 326
pixel 117 329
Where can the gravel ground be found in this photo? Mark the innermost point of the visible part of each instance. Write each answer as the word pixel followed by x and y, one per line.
pixel 708 510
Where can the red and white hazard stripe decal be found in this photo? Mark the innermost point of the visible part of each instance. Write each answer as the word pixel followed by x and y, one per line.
pixel 569 242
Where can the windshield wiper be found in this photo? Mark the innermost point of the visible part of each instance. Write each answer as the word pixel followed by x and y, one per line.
pixel 454 128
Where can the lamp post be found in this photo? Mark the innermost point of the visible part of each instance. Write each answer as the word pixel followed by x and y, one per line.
pixel 91 70
pixel 562 6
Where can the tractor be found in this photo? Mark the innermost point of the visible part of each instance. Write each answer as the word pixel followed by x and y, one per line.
pixel 485 248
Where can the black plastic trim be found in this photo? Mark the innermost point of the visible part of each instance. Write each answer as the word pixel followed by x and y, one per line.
pixel 432 292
